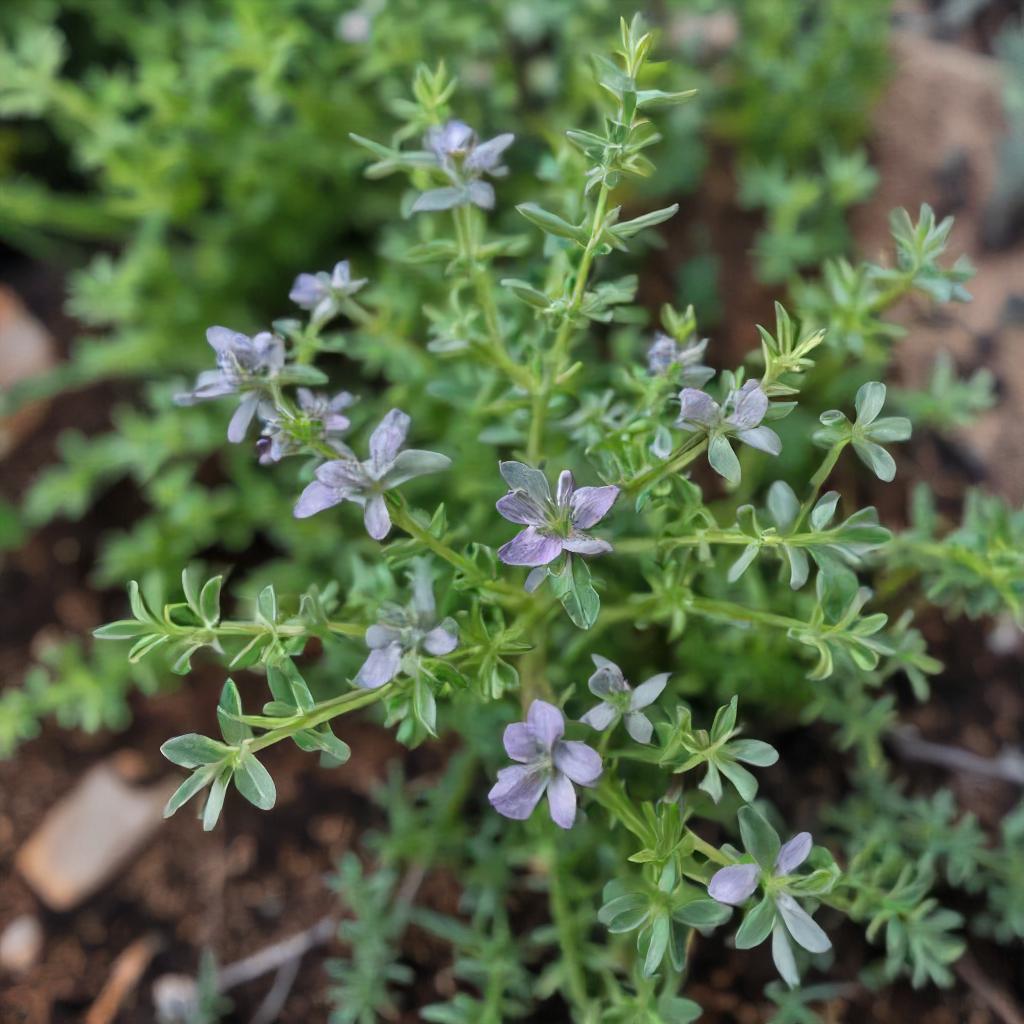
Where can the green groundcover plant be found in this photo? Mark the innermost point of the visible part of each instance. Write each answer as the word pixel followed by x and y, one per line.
pixel 565 538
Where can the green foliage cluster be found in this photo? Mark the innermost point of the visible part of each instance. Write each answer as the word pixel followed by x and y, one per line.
pixel 515 335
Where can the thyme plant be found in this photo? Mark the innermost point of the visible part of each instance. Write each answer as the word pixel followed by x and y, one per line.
pixel 533 499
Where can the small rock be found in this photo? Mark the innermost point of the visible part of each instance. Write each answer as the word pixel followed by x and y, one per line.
pixel 89 835
pixel 175 998
pixel 26 350
pixel 21 943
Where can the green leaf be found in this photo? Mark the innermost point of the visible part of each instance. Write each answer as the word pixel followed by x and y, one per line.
pixel 215 801
pixel 652 944
pixel 192 750
pixel 702 913
pixel 760 840
pixel 869 401
pixel 209 601
pixel 197 781
pixel 234 732
pixel 757 923
pixel 723 459
pixel 122 629
pixel 552 224
pixel 253 781
pixel 573 587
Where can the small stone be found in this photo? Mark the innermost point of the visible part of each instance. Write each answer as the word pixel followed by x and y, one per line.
pixel 175 998
pixel 21 943
pixel 26 351
pixel 89 835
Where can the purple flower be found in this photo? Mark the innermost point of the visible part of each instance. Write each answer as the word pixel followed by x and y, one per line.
pixel 552 526
pixel 464 160
pixel 403 631
pixel 244 365
pixel 322 293
pixel 736 884
pixel 739 416
pixel 547 763
pixel 666 355
pixel 322 419
pixel 364 483
pixel 619 699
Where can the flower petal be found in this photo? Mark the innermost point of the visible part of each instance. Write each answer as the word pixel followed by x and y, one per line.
pixel 381 635
pixel 561 801
pixel 591 504
pixel 546 723
pixel 387 438
pixel 579 761
pixel 223 339
pixel 315 498
pixel 530 548
pixel 793 853
pixel 735 884
pixel 566 485
pixel 521 477
pixel 600 716
pixel 582 544
pixel 342 475
pixel 487 154
pixel 607 679
pixel 380 667
pixel 243 417
pixel 638 725
pixel 376 518
pixel 697 408
pixel 805 930
pixel 518 791
pixel 519 507
pixel 520 743
pixel 648 692
pixel 749 406
pixel 440 640
pixel 764 439
pixel 412 463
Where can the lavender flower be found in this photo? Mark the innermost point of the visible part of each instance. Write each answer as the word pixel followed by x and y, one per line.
pixel 547 763
pixel 403 631
pixel 322 420
pixel 739 416
pixel 551 526
pixel 619 699
pixel 364 483
pixel 244 365
pixel 665 355
pixel 323 293
pixel 464 160
pixel 735 884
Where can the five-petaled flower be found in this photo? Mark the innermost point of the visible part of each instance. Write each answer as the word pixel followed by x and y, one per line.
pixel 464 160
pixel 735 884
pixel 244 365
pixel 364 483
pixel 619 699
pixel 547 763
pixel 408 630
pixel 552 526
pixel 739 416
pixel 322 419
pixel 666 355
pixel 323 293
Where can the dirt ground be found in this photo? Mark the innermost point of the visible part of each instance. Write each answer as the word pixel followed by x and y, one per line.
pixel 259 878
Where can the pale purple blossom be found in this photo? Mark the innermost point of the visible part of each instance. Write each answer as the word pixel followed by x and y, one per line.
pixel 547 764
pixel 322 293
pixel 364 483
pixel 620 700
pixel 740 416
pixel 552 525
pixel 405 631
pixel 244 366
pixel 735 884
pixel 666 355
pixel 464 160
pixel 321 418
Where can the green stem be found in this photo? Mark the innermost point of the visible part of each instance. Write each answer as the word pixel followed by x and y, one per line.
pixel 323 712
pixel 690 449
pixel 818 481
pixel 561 914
